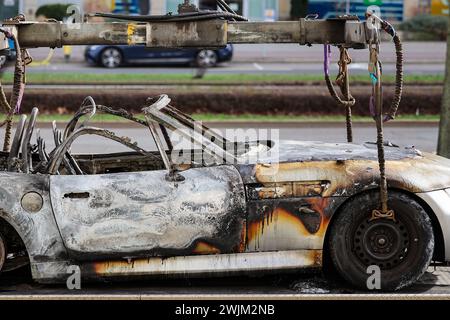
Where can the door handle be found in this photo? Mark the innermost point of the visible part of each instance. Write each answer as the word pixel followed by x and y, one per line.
pixel 77 195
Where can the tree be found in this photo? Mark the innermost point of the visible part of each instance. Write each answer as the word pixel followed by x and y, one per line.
pixel 53 11
pixel 444 131
pixel 299 8
pixel 427 25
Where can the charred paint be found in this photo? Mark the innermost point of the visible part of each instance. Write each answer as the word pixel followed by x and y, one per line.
pixel 143 214
pixel 205 248
pixel 289 224
pixel 205 265
pixel 348 177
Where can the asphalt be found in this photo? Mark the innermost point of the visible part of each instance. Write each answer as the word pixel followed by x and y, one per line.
pixel 423 135
pixel 414 52
pixel 419 58
pixel 435 284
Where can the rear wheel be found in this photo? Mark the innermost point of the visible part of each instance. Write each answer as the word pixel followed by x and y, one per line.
pixel 111 58
pixel 402 249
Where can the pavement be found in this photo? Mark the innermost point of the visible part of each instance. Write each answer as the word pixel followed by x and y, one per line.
pixel 419 58
pixel 414 52
pixel 423 136
pixel 434 284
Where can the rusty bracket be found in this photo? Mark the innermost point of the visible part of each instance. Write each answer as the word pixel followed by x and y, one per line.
pixel 377 214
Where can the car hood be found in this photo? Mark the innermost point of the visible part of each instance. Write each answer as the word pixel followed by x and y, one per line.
pixel 292 151
pixel 344 168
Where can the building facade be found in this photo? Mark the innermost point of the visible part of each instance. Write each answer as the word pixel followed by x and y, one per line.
pixel 256 10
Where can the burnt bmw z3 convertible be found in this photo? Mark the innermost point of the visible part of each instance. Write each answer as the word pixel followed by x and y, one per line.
pixel 219 211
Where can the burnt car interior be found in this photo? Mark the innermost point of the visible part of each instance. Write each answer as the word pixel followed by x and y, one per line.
pixel 161 118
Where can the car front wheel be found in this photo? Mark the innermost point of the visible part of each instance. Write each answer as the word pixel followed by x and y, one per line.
pixel 401 249
pixel 111 58
pixel 207 59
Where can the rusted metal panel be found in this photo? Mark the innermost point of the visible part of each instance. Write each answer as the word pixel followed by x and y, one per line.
pixel 141 214
pixel 289 224
pixel 56 35
pixel 224 264
pixel 268 32
pixel 348 33
pixel 187 34
pixel 212 33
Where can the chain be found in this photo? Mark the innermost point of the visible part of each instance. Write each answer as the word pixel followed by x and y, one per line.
pixel 342 80
pixel 377 106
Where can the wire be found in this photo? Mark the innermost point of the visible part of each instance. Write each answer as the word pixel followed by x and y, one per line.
pixel 197 16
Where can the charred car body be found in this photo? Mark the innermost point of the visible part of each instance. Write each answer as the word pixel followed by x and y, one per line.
pixel 227 207
pixel 143 214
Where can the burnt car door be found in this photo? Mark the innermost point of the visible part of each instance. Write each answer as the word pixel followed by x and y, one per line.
pixel 145 214
pixel 156 212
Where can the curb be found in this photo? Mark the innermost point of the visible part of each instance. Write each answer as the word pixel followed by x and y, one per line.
pixel 217 297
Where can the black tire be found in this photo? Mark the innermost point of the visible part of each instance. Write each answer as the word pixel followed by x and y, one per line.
pixel 207 58
pixel 2 252
pixel 111 58
pixel 402 249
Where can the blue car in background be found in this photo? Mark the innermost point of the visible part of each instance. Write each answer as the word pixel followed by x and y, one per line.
pixel 116 56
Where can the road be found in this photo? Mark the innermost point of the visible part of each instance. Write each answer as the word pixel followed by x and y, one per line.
pixel 272 59
pixel 423 136
pixel 18 284
pixel 414 52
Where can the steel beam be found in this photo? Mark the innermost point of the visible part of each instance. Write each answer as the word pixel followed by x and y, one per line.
pixel 212 33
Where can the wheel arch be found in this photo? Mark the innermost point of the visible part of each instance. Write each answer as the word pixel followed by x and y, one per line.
pixel 11 235
pixel 439 249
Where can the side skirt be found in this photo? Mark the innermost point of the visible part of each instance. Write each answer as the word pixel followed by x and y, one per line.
pixel 186 266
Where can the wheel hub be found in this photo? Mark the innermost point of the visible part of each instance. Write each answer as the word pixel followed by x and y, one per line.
pixel 381 242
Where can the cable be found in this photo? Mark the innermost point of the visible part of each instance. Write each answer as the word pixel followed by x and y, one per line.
pixel 376 106
pixel 389 29
pixel 189 17
pixel 226 6
pixel 392 112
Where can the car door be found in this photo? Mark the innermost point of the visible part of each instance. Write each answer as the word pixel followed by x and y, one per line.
pixel 144 214
pixel 141 54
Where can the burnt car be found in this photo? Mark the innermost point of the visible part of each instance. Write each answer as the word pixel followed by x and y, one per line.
pixel 220 211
